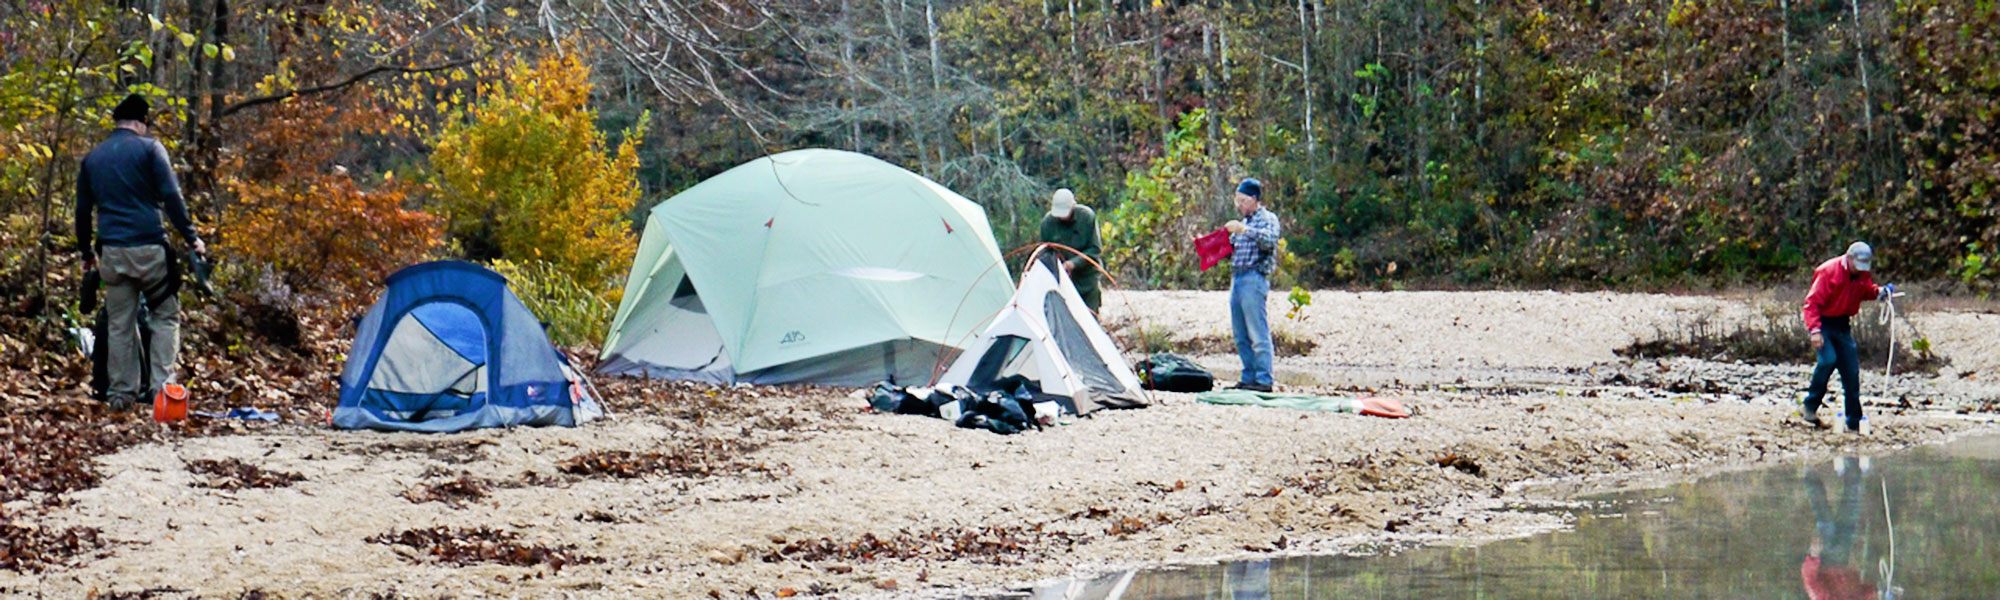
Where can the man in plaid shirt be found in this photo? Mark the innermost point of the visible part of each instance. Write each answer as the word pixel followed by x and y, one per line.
pixel 1255 241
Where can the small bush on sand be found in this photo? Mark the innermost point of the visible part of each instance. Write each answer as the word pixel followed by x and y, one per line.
pixel 1777 335
pixel 1156 338
pixel 1286 343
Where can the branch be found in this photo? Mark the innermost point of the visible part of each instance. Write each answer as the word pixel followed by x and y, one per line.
pixel 356 78
pixel 1292 65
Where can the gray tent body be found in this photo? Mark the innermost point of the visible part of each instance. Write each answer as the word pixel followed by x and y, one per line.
pixel 696 351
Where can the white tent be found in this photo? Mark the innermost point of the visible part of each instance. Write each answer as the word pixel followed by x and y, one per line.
pixel 1046 335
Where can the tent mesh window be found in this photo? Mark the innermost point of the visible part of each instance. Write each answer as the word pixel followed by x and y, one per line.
pixel 685 297
pixel 433 365
pixel 999 361
pixel 1076 348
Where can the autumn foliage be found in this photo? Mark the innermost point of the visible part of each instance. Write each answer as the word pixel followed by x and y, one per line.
pixel 527 176
pixel 1947 210
pixel 310 219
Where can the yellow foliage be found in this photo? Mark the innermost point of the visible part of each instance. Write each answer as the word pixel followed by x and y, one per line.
pixel 529 174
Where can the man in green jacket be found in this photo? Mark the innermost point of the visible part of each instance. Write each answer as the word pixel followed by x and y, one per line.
pixel 1075 226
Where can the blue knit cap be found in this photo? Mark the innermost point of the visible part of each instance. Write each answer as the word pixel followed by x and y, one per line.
pixel 1252 188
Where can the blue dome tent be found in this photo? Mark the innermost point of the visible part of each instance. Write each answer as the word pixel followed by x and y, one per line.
pixel 448 347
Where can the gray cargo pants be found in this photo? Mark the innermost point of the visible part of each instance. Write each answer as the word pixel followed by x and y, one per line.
pixel 128 272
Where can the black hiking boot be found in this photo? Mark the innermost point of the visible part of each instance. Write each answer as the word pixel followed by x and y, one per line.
pixel 1811 417
pixel 1253 387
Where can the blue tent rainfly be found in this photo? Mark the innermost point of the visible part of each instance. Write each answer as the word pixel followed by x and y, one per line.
pixel 449 347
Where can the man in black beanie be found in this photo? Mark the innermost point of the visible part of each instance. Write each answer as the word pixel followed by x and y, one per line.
pixel 126 181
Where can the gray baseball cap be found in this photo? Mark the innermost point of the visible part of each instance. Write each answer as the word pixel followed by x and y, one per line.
pixel 1862 256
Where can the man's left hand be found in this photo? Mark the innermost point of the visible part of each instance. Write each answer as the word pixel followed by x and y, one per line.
pixel 200 248
pixel 1887 291
pixel 1235 227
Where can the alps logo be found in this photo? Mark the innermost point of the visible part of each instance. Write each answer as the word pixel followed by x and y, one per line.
pixel 794 337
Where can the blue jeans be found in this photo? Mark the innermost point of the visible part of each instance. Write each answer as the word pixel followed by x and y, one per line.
pixel 1253 330
pixel 1837 353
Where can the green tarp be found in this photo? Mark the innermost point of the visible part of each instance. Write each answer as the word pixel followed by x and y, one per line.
pixel 1274 400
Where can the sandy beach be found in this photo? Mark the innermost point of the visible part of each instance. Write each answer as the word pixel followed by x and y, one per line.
pixel 694 491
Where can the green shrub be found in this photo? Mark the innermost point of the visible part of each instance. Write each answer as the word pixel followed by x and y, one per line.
pixel 573 313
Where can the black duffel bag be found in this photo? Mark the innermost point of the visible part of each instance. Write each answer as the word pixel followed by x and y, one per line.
pixel 1170 372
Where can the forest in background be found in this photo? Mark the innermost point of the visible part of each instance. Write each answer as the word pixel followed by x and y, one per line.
pixel 1474 143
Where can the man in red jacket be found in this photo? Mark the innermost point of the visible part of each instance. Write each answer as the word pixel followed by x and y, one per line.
pixel 1839 287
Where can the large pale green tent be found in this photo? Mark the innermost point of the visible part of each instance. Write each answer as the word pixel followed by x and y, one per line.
pixel 818 266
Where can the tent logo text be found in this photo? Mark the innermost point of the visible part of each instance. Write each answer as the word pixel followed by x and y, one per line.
pixel 792 338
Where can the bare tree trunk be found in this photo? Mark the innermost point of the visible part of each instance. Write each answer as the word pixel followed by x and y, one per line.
pixel 1422 141
pixel 161 49
pixel 938 119
pixel 1084 127
pixel 1110 35
pixel 1306 69
pixel 196 91
pixel 1479 54
pixel 1861 61
pixel 1073 52
pixel 937 65
pixel 218 81
pixel 1224 35
pixel 201 18
pixel 1785 32
pixel 1215 176
pixel 48 187
pixel 132 25
pixel 1160 74
pixel 1000 141
pixel 1077 124
pixel 846 30
pixel 905 106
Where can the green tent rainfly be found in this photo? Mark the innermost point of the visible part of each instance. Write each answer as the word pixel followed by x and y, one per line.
pixel 817 266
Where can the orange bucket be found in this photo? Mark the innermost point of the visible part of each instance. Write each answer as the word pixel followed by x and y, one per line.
pixel 171 404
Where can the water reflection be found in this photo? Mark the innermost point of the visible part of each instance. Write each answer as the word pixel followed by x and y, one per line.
pixel 1836 528
pixel 1829 571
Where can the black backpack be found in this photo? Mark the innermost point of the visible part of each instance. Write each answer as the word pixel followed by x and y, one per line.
pixel 1170 372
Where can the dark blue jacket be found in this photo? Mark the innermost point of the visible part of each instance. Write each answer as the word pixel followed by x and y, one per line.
pixel 128 181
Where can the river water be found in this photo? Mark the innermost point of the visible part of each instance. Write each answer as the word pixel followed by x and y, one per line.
pixel 1923 523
